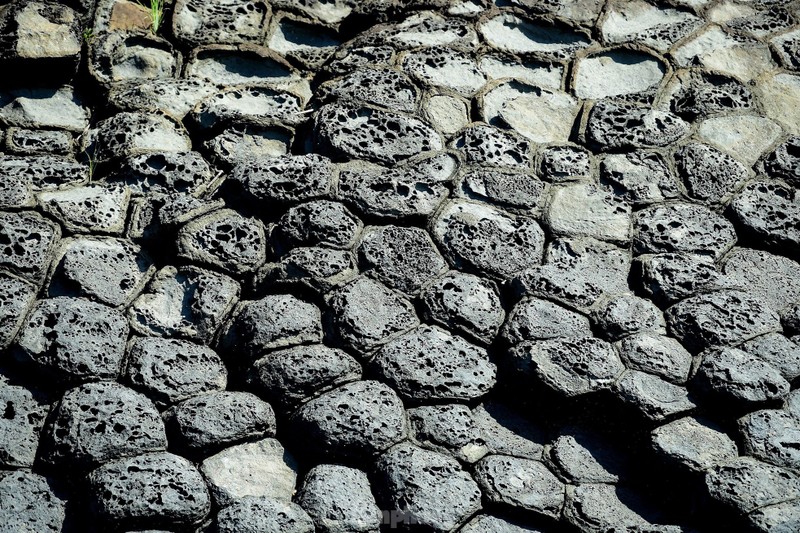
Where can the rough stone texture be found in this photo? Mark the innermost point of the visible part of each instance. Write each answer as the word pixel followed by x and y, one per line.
pixel 20 426
pixel 359 419
pixel 184 302
pixel 585 210
pixel 27 503
pixel 220 21
pixel 97 422
pixel 169 370
pixel 535 318
pixel 640 177
pixel 516 190
pixel 771 435
pixel 400 136
pixel 429 363
pixel 112 271
pixel 166 172
pixel 284 179
pixel 771 277
pixel 339 500
pixel 747 484
pixel 224 240
pixel 709 174
pixel 402 258
pixel 585 457
pixel 784 162
pixel 27 241
pixel 618 125
pixel 617 73
pixel 766 210
pixel 486 145
pixel 624 315
pixel 157 489
pixel 16 297
pixel 87 209
pixel 450 429
pixel 522 483
pixel 653 397
pixel 430 488
pixel 683 228
pixel 207 422
pixel 693 443
pixel 485 239
pixel 126 134
pixel 465 303
pixel 275 321
pixel 318 223
pixel 670 277
pixel 740 376
pixel 599 507
pixel 260 468
pixel 414 187
pixel 656 354
pixel 723 317
pixel 290 376
pixel 366 313
pixel 74 339
pixel 570 366
pixel 261 514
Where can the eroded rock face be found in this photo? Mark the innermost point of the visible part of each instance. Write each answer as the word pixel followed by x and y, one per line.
pixel 342 266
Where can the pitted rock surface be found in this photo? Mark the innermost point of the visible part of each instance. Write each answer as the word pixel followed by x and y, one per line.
pixel 477 266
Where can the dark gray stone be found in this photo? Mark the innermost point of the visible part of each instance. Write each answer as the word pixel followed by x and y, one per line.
pixel 210 421
pixel 375 86
pixel 275 321
pixel 737 375
pixel 414 187
pixel 112 271
pixel 774 278
pixel 778 351
pixel 154 489
pixel 430 363
pixel 570 366
pixel 656 354
pixel 127 55
pixel 506 187
pixel 360 419
pixel 640 177
pixel 259 106
pixel 318 223
pixel 171 370
pixel 226 240
pixel 449 429
pixel 24 411
pixel 705 93
pixel 27 503
pixel 693 443
pixel 709 174
pixel 260 468
pixel 89 209
pixel 619 125
pixel 493 524
pixel 586 457
pixel 790 319
pixel 577 272
pixel 260 514
pixel 520 483
pixel 784 162
pixel 16 298
pixel 27 243
pixel 126 134
pixel 772 435
pixel 291 178
pixel 44 172
pixel 479 237
pixel 220 21
pixel 670 277
pixel 36 142
pixel 339 500
pixel 404 259
pixel 430 488
pixel 247 64
pixel 486 145
pixel 308 44
pixel 74 339
pixel 627 314
pixel 321 269
pixel 778 518
pixel 720 318
pixel 768 212
pixel 184 302
pixel 535 318
pixel 242 143
pixel 762 23
pixel 565 163
pixel 505 431
pixel 466 304
pixel 175 97
pixel 599 507
pixel 166 173
pixel 15 193
pixel 97 422
pixel 653 397
pixel 365 314
pixel 368 133
pixel 747 484
pixel 682 228
pixel 290 376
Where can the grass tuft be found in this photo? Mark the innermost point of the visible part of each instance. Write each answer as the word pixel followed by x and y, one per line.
pixel 155 9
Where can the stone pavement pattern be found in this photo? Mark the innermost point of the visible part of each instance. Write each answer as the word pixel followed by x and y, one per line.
pixel 438 265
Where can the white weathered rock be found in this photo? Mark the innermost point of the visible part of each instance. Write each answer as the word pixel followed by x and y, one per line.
pixel 745 137
pixel 616 73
